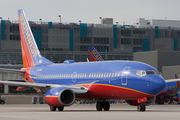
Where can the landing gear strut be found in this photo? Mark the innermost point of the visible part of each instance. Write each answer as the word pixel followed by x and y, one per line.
pixel 100 105
pixel 141 107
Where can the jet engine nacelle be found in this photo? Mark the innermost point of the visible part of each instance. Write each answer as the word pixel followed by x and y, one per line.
pixel 59 96
pixel 150 100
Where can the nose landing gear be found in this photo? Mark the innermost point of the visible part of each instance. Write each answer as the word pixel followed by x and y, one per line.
pixel 141 107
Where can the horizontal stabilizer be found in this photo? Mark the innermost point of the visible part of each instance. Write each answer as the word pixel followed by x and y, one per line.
pixel 12 70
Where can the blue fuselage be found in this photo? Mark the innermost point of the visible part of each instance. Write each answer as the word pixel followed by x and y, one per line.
pixel 115 73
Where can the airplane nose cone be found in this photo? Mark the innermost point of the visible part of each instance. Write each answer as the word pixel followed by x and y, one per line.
pixel 157 84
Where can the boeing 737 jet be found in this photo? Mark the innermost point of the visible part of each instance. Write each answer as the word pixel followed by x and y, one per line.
pixel 137 83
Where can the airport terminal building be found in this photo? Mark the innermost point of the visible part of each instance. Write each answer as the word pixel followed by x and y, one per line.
pixel 60 41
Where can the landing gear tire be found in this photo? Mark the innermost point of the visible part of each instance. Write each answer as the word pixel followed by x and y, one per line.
pixel 60 108
pixel 52 108
pixel 106 106
pixel 141 107
pixel 99 106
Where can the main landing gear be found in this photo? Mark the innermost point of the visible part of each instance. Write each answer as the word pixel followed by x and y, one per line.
pixel 100 105
pixel 141 107
pixel 53 108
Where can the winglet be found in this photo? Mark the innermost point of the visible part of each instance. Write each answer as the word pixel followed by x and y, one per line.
pixel 94 55
pixel 30 53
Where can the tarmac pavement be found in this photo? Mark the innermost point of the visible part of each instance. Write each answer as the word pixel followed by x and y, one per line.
pixel 88 112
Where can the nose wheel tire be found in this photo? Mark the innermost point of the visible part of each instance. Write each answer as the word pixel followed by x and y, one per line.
pixel 141 107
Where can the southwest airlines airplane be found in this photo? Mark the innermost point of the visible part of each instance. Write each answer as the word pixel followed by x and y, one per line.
pixel 170 91
pixel 136 82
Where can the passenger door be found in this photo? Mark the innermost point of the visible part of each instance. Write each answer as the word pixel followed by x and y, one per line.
pixel 124 75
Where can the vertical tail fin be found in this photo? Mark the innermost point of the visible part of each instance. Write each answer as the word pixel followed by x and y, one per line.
pixel 30 53
pixel 94 55
pixel 176 77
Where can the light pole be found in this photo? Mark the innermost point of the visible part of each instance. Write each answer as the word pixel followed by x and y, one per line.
pixel 40 20
pixel 101 19
pixel 59 17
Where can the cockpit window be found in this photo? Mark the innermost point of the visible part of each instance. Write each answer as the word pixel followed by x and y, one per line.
pixel 148 72
pixel 157 72
pixel 143 73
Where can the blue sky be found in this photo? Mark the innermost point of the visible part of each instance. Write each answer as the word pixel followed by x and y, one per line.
pixel 89 11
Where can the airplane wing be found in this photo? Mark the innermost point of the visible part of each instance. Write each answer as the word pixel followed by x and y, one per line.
pixel 42 86
pixel 45 87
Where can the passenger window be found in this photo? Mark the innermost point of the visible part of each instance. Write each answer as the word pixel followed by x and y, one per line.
pixel 109 74
pixel 104 74
pixel 115 74
pixel 118 74
pixel 112 74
